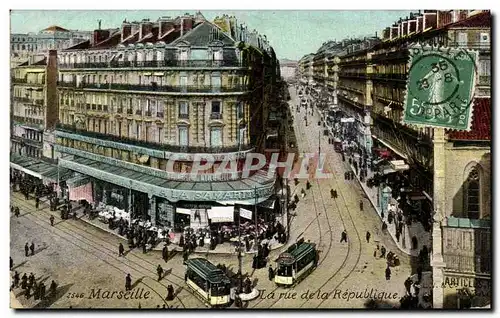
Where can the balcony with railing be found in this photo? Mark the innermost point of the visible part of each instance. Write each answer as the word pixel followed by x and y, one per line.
pixel 216 115
pixel 360 75
pixel 155 64
pixel 17 80
pixel 27 82
pixel 388 77
pixel 31 121
pixel 168 88
pixel 71 130
pixel 475 45
pixel 183 116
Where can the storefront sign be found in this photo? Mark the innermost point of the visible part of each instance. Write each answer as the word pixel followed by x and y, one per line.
pixel 244 213
pixel 219 214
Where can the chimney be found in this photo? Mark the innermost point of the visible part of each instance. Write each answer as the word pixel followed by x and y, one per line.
pixel 100 35
pixel 126 30
pixel 166 24
pixel 430 20
pixel 99 25
pixel 420 24
pixel 145 29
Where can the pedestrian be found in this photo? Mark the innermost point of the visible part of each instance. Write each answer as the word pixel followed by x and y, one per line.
pixel 382 251
pixel 37 202
pixel 51 220
pixel 28 292
pixel 53 288
pixel 11 263
pixel 335 194
pixel 26 249
pixel 16 211
pixel 144 250
pixel 332 193
pixel 419 273
pixel 159 270
pixel 303 193
pixel 308 185
pixel 31 279
pixel 121 250
pixel 387 273
pixel 165 253
pixel 271 273
pixel 42 291
pixel 128 283
pixel 408 284
pixel 170 293
pixel 368 235
pixel 32 248
pixel 344 237
pixel 185 257
pixel 361 205
pixel 24 281
pixel 36 291
pixel 416 286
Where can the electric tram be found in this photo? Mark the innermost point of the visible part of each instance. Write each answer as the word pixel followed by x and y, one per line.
pixel 296 263
pixel 208 282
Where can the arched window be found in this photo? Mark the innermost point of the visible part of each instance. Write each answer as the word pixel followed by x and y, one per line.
pixel 472 194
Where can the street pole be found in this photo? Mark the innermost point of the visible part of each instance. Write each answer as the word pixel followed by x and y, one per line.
pixel 256 223
pixel 240 265
pixel 287 214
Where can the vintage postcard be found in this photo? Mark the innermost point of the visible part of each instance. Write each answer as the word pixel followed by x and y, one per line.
pixel 186 160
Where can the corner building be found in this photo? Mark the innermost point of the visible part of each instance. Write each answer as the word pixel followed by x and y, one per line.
pixel 154 91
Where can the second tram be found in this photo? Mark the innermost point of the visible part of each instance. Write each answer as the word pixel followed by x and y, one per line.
pixel 296 263
pixel 208 282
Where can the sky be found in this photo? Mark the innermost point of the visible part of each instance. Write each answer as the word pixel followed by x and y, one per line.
pixel 292 34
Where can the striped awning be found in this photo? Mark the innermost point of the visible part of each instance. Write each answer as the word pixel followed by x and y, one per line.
pixel 78 180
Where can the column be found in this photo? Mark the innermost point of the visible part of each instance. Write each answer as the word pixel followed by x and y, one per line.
pixel 439 200
pixel 152 208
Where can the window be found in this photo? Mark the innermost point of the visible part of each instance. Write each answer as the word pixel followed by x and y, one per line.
pixel 485 68
pixel 160 134
pixel 216 108
pixel 183 136
pixel 216 137
pixel 472 194
pixel 462 39
pixel 183 110
pixel 138 127
pixel 183 56
pixel 240 110
pixel 199 54
pixel 216 83
pixel 484 39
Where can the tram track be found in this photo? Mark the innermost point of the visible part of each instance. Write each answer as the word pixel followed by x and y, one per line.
pixel 320 232
pixel 72 229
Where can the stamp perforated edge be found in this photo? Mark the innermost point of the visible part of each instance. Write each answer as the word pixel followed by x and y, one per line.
pixel 473 89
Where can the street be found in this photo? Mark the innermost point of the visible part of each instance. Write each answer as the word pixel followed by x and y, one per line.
pixel 83 260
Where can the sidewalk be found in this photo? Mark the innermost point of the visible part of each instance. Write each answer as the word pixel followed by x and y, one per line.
pixel 415 229
pixel 224 248
pixel 14 303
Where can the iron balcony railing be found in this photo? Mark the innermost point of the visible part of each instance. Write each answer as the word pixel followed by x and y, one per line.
pixel 22 99
pixel 169 63
pixel 388 76
pixel 152 145
pixel 159 114
pixel 27 120
pixel 215 116
pixel 183 116
pixel 19 80
pixel 168 88
pixel 476 45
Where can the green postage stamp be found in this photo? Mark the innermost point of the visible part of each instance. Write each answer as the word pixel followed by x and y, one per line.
pixel 440 87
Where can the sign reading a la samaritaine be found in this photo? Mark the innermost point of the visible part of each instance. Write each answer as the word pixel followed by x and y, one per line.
pixel 440 87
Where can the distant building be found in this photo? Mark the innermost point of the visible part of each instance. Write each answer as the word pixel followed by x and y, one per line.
pixel 288 69
pixel 52 38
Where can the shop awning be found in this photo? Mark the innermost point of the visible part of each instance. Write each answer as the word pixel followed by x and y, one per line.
pixel 268 204
pixel 39 169
pixel 220 214
pixel 77 181
pixel 183 211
